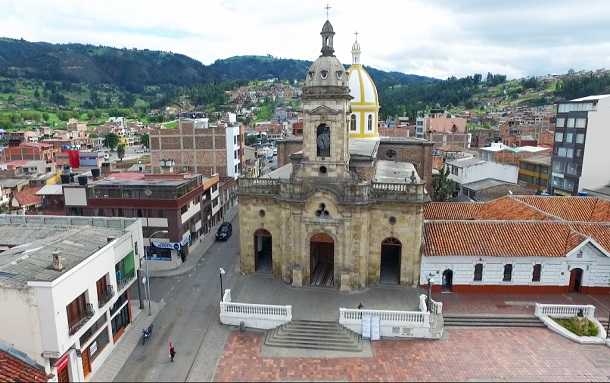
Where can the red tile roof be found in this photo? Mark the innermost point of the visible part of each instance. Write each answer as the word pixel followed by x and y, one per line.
pixel 28 197
pixel 14 369
pixel 515 226
pixel 500 239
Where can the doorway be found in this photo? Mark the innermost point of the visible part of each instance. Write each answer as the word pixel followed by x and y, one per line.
pixel 263 251
pixel 389 270
pixel 447 280
pixel 322 260
pixel 575 280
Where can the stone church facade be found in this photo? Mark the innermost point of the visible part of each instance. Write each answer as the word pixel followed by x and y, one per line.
pixel 336 215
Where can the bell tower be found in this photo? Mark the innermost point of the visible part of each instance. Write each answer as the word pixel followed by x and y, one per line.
pixel 326 107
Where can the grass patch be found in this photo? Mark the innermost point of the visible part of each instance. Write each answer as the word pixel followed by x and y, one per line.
pixel 579 326
pixel 170 125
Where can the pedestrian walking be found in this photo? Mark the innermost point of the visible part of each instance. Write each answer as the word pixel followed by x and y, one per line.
pixel 172 351
pixel 360 306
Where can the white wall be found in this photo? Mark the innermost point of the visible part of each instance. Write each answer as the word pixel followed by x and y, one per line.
pixel 230 134
pixel 194 208
pixel 555 270
pixel 75 196
pixel 596 162
pixel 487 169
pixel 19 324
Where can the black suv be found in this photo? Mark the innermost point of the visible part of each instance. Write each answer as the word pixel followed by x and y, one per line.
pixel 224 232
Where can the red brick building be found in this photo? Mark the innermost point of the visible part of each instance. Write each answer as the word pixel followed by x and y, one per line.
pixel 30 151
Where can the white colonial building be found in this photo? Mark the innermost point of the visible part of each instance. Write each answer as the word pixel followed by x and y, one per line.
pixel 64 285
pixel 518 244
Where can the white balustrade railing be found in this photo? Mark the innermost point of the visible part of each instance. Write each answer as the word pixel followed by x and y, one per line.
pixel 437 307
pixel 253 315
pixel 403 317
pixel 564 311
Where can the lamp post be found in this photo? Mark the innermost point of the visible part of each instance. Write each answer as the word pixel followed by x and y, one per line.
pixel 429 300
pixel 147 271
pixel 221 272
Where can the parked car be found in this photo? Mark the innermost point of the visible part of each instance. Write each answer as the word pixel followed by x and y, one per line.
pixel 224 231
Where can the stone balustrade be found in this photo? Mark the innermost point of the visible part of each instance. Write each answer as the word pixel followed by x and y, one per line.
pixel 346 193
pixel 393 324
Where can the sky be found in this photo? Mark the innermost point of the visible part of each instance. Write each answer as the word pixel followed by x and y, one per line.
pixel 437 38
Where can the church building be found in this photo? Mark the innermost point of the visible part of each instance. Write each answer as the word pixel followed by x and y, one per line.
pixel 336 214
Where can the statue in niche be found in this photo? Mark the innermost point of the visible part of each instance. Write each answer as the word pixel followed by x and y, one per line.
pixel 323 140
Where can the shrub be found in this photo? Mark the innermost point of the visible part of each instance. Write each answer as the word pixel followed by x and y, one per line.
pixel 579 326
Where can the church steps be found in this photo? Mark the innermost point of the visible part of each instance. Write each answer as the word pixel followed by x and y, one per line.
pixel 314 335
pixel 491 321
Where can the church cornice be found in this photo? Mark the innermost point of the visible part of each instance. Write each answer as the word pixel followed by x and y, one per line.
pixel 323 110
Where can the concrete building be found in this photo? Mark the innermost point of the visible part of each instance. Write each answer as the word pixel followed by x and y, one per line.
pixel 518 244
pixel 467 170
pixel 534 172
pixel 438 121
pixel 176 208
pixel 580 155
pixel 511 155
pixel 64 288
pixel 193 146
pixel 336 215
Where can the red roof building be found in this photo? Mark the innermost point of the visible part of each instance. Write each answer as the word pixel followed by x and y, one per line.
pixel 16 366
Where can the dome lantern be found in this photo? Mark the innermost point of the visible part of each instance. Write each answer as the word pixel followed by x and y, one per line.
pixel 327 39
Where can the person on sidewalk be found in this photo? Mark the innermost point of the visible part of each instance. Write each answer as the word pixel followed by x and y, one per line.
pixel 172 351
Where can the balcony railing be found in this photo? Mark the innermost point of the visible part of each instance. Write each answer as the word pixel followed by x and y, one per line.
pixel 106 296
pixel 123 280
pixel 88 314
pixel 346 193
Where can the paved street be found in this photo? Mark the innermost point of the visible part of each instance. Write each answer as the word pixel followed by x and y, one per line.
pixel 189 319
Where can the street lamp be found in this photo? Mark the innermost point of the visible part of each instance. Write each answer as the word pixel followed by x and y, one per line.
pixel 147 271
pixel 221 272
pixel 429 300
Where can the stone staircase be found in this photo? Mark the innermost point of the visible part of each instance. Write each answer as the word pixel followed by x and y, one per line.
pixel 491 321
pixel 316 335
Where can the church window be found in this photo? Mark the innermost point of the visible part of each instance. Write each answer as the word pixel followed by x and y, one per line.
pixel 508 273
pixel 339 74
pixel 261 213
pixel 369 126
pixel 324 74
pixel 323 141
pixel 352 125
pixel 322 212
pixel 323 169
pixel 392 220
pixel 478 272
pixel 310 75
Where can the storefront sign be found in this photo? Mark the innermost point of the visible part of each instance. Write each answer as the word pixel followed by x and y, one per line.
pixel 93 348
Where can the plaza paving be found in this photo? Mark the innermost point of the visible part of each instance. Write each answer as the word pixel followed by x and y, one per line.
pixel 516 354
pixel 322 303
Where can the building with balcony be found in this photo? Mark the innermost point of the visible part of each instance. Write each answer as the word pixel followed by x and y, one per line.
pixel 580 154
pixel 336 215
pixel 64 288
pixel 534 172
pixel 175 209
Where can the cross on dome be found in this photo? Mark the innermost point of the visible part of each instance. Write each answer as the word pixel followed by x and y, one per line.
pixel 328 7
pixel 356 50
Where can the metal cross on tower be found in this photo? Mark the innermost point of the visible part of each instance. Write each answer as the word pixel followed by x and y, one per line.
pixel 356 34
pixel 328 7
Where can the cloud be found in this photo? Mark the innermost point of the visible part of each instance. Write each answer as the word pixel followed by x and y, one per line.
pixel 437 38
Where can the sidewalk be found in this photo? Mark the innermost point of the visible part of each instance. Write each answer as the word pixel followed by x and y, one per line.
pixel 197 251
pixel 128 342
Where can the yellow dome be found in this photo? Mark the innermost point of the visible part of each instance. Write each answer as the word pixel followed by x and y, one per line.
pixel 365 101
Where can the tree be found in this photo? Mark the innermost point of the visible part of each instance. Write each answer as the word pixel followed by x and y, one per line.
pixel 120 151
pixel 111 141
pixel 145 140
pixel 442 186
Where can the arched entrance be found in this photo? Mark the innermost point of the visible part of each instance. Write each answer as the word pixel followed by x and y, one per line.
pixel 575 280
pixel 389 269
pixel 322 260
pixel 448 280
pixel 263 254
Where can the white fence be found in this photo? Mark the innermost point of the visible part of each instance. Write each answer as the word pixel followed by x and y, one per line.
pixel 437 307
pixel 564 311
pixel 401 324
pixel 253 315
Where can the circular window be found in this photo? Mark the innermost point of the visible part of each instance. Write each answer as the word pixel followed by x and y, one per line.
pixel 390 153
pixel 322 206
pixel 324 74
pixel 261 213
pixel 339 75
pixel 392 220
pixel 310 75
pixel 323 169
